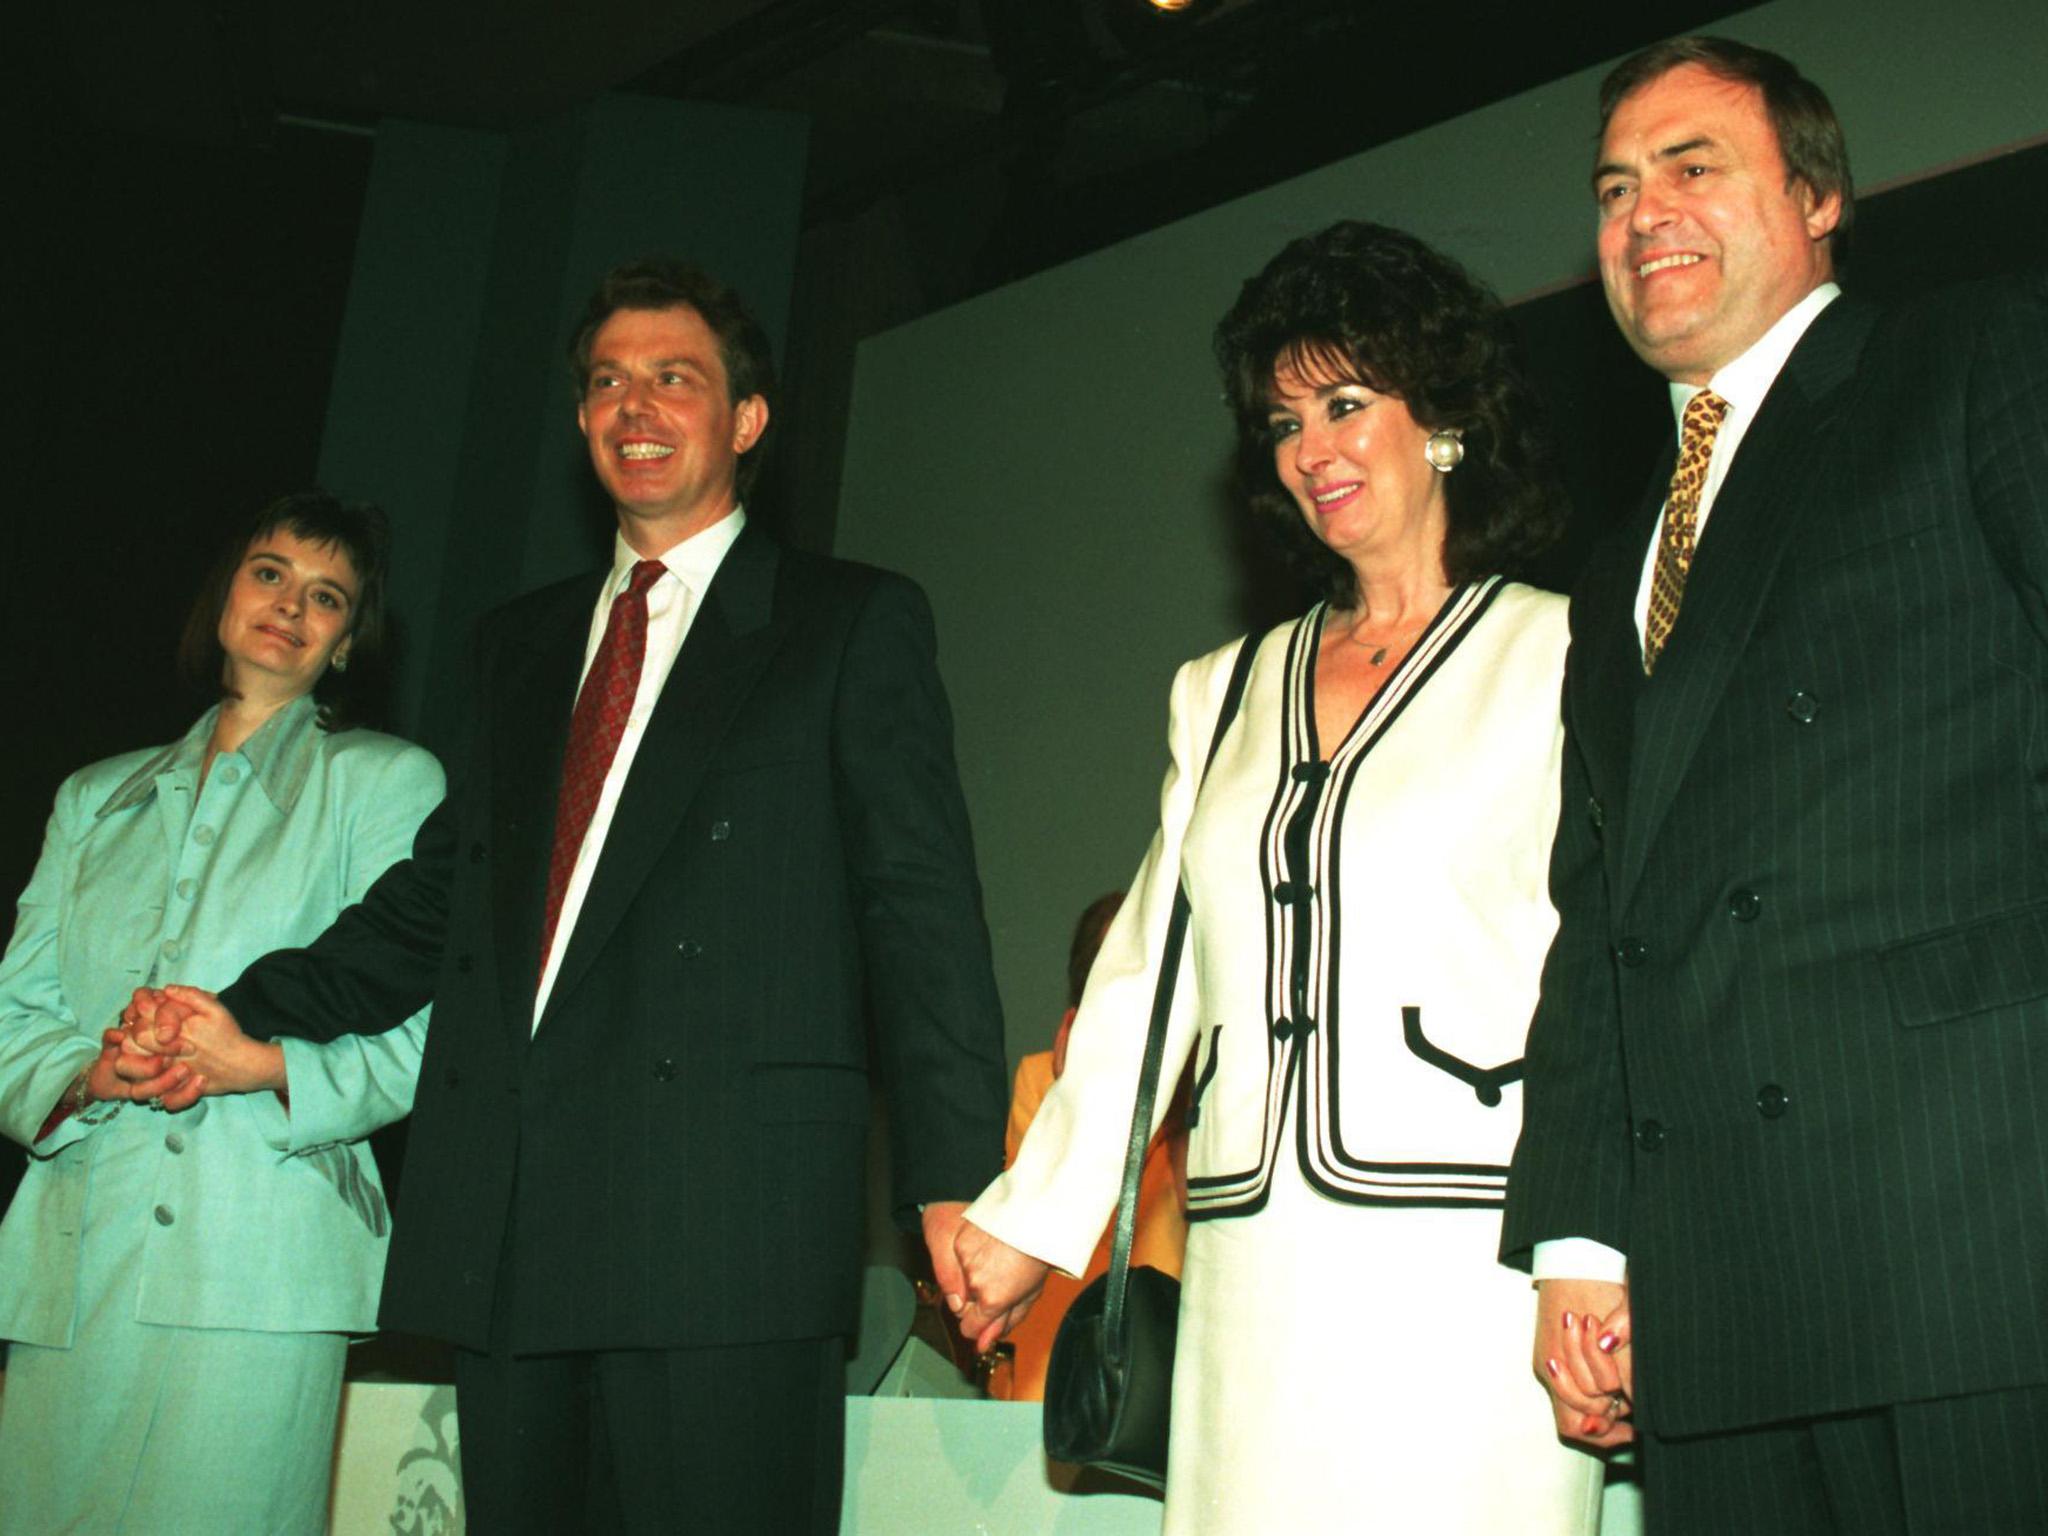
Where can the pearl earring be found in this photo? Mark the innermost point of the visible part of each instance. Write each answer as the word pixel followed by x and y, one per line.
pixel 1445 449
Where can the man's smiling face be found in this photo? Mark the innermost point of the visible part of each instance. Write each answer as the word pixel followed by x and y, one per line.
pixel 664 435
pixel 1704 238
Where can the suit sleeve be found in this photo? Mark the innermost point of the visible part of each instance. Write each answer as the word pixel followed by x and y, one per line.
pixel 1571 1170
pixel 924 942
pixel 376 965
pixel 348 1087
pixel 2007 437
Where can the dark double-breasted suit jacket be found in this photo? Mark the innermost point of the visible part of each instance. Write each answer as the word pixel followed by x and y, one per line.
pixel 675 1156
pixel 1791 1052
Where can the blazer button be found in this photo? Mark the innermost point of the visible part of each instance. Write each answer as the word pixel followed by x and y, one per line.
pixel 720 831
pixel 1596 813
pixel 665 1070
pixel 1771 1101
pixel 1649 1136
pixel 476 853
pixel 689 949
pixel 163 1216
pixel 1744 905
pixel 174 1142
pixel 1632 952
pixel 452 1078
pixel 1802 707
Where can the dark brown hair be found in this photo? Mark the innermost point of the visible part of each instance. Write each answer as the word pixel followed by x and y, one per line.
pixel 1809 134
pixel 1088 931
pixel 356 529
pixel 1364 302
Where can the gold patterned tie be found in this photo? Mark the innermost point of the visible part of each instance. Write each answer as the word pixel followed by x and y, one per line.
pixel 1702 419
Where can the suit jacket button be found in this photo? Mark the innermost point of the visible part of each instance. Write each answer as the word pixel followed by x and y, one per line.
pixel 1632 952
pixel 689 949
pixel 451 1077
pixel 1771 1101
pixel 476 853
pixel 1802 706
pixel 665 1070
pixel 720 831
pixel 1649 1136
pixel 163 1216
pixel 1744 905
pixel 1596 813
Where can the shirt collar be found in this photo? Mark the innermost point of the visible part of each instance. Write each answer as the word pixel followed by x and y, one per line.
pixel 693 562
pixel 1744 382
pixel 280 756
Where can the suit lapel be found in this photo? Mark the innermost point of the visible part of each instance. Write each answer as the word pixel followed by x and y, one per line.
pixel 536 694
pixel 730 641
pixel 1607 659
pixel 1774 480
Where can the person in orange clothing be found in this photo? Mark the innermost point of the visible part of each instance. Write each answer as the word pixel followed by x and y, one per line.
pixel 1162 1223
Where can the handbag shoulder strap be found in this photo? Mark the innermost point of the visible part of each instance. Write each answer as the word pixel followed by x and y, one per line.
pixel 1155 1046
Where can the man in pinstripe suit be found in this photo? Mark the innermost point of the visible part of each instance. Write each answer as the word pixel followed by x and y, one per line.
pixel 1783 1177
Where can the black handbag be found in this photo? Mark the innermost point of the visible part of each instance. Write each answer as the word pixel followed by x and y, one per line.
pixel 1109 1383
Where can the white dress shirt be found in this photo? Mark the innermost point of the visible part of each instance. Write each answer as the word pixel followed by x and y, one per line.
pixel 1743 383
pixel 672 604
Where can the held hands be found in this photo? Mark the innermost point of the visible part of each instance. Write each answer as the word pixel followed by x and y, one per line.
pixel 184 1029
pixel 1582 1358
pixel 998 1284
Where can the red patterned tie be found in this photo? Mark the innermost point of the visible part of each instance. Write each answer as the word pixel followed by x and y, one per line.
pixel 594 731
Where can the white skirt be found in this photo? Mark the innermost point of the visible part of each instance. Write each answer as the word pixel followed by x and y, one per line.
pixel 1362 1369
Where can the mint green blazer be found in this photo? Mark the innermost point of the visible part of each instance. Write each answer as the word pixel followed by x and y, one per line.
pixel 255 1216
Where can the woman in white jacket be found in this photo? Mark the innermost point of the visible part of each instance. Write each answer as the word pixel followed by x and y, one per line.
pixel 1366 864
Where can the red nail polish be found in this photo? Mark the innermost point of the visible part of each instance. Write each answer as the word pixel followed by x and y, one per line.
pixel 1551 1366
pixel 1570 1322
pixel 1607 1343
pixel 1589 1427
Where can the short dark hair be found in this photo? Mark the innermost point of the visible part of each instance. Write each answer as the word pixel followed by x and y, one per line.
pixel 1088 931
pixel 1809 133
pixel 1365 302
pixel 662 282
pixel 356 529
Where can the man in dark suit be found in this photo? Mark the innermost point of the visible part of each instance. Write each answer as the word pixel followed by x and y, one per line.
pixel 1783 1176
pixel 706 810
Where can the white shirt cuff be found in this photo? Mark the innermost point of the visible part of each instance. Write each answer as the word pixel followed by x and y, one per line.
pixel 1578 1258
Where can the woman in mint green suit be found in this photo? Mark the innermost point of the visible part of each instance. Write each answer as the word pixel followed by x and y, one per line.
pixel 178 1287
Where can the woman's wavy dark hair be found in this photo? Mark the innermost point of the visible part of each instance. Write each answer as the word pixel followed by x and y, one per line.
pixel 357 529
pixel 1362 302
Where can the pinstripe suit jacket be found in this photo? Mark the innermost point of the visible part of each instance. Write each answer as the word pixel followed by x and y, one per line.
pixel 1791 1053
